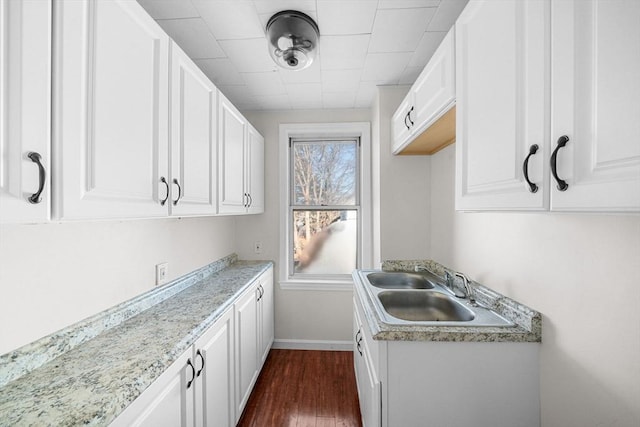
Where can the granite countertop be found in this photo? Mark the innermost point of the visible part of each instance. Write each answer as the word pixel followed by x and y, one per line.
pixel 93 382
pixel 527 322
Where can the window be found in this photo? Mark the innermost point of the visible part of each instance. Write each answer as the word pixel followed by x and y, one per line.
pixel 324 204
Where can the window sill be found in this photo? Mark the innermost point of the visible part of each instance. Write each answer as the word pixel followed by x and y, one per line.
pixel 317 285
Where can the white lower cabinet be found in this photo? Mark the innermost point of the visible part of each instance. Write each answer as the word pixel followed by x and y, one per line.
pixel 453 384
pixel 168 402
pixel 254 336
pixel 210 383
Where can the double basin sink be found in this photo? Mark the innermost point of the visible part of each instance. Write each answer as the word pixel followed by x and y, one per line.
pixel 422 298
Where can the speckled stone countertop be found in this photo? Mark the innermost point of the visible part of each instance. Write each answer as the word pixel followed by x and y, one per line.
pixel 527 322
pixel 92 382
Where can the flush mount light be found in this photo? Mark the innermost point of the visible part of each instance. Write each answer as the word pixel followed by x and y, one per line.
pixel 293 39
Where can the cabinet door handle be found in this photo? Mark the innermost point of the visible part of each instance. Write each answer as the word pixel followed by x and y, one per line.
pixel 244 200
pixel 562 184
pixel 166 184
pixel 198 353
pixel 525 168
pixel 193 373
pixel 409 116
pixel 36 158
pixel 406 116
pixel 250 200
pixel 175 181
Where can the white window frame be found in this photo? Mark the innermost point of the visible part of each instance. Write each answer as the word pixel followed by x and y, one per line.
pixel 361 130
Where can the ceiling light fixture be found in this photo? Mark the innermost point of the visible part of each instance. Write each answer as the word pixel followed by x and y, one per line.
pixel 293 39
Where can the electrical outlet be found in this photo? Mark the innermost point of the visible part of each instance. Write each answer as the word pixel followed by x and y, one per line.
pixel 257 247
pixel 162 273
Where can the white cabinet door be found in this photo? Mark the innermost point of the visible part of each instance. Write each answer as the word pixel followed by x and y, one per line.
pixel 193 138
pixel 246 329
pixel 369 388
pixel 168 402
pixel 214 403
pixel 25 101
pixel 401 124
pixel 502 104
pixel 434 90
pixel 111 111
pixel 266 315
pixel 596 103
pixel 232 197
pixel 255 170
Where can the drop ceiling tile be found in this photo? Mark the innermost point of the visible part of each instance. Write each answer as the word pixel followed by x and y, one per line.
pixel 264 84
pixel 339 100
pixel 406 4
pixel 409 75
pixel 345 17
pixel 308 75
pixel 305 95
pixel 343 52
pixel 230 19
pixel 221 71
pixel 340 80
pixel 385 36
pixel 273 6
pixel 193 36
pixel 264 17
pixel 273 102
pixel 249 55
pixel 446 15
pixel 365 94
pixel 385 67
pixel 236 93
pixel 169 9
pixel 427 46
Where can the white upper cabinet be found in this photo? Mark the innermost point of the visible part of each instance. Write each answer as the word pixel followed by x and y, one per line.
pixel 25 99
pixel 501 55
pixel 426 105
pixel 110 111
pixel 530 74
pixel 596 104
pixel 254 164
pixel 193 138
pixel 240 164
pixel 231 133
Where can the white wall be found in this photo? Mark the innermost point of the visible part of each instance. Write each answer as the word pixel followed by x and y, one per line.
pixel 53 275
pixel 404 189
pixel 300 315
pixel 581 271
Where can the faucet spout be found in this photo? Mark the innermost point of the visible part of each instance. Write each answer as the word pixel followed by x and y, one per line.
pixel 467 289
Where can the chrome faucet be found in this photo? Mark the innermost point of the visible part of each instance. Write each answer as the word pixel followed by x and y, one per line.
pixel 467 289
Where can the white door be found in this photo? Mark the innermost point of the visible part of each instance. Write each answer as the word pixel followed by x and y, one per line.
pixel 502 104
pixel 111 111
pixel 401 125
pixel 246 329
pixel 266 315
pixel 255 170
pixel 434 90
pixel 596 103
pixel 193 138
pixel 25 102
pixel 231 129
pixel 215 384
pixel 168 402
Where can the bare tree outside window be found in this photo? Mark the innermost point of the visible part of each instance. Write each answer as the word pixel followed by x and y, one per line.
pixel 324 202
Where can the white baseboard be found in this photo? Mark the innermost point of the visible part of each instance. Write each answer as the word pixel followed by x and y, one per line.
pixel 285 344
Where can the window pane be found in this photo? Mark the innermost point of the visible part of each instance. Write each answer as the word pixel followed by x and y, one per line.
pixel 324 173
pixel 324 242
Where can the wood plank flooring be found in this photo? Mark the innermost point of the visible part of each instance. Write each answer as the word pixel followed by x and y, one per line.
pixel 304 388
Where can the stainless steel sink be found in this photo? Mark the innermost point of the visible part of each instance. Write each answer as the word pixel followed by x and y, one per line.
pixel 424 306
pixel 399 280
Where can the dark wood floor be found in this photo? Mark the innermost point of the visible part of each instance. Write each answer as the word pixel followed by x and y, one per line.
pixel 304 388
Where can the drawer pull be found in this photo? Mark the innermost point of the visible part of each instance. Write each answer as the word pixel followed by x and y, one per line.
pixel 562 184
pixel 193 373
pixel 199 353
pixel 525 168
pixel 36 158
pixel 164 181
